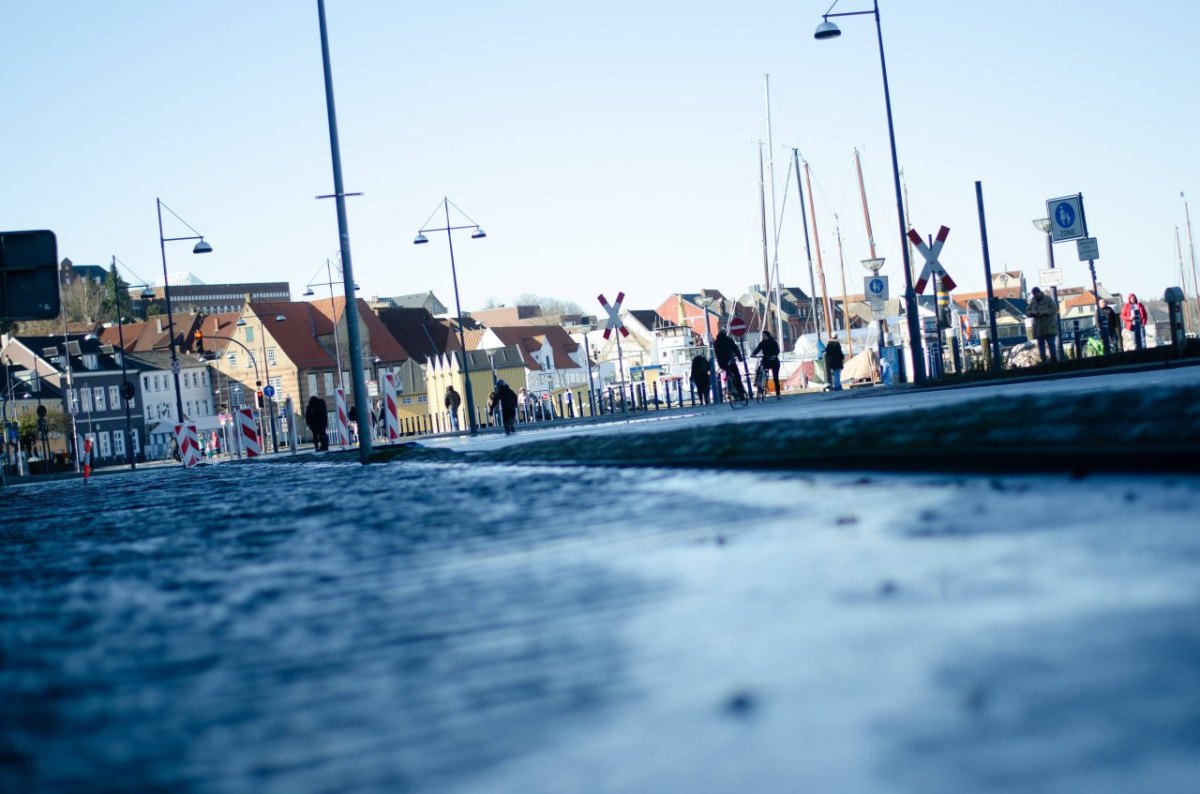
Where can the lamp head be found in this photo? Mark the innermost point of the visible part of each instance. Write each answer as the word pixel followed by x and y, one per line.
pixel 827 30
pixel 280 318
pixel 308 293
pixel 478 233
pixel 420 239
pixel 147 294
pixel 874 265
pixel 1042 224
pixel 202 248
pixel 241 323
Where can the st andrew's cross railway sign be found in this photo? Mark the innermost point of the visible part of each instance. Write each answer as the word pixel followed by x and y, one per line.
pixel 932 265
pixel 614 315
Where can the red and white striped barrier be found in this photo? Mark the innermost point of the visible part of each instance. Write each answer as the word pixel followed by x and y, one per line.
pixel 189 444
pixel 391 416
pixel 86 458
pixel 249 432
pixel 343 419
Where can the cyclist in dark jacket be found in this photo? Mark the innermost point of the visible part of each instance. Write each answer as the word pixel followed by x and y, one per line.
pixel 727 357
pixel 769 349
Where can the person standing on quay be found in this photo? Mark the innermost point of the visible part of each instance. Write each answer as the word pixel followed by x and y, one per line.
pixel 508 406
pixel 700 378
pixel 316 416
pixel 835 359
pixel 1044 312
pixel 1109 325
pixel 1134 316
pixel 452 402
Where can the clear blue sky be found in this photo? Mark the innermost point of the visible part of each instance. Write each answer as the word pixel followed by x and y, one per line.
pixel 602 146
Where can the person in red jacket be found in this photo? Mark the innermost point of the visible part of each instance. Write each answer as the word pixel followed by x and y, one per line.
pixel 1133 317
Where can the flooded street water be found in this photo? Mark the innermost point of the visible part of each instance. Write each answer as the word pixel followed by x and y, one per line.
pixel 312 627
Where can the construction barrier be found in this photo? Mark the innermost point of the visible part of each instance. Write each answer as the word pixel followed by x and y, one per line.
pixel 189 444
pixel 86 458
pixel 390 412
pixel 343 419
pixel 248 432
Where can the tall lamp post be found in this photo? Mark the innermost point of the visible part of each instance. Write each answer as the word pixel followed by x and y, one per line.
pixel 828 30
pixel 201 247
pixel 1043 225
pixel 127 389
pixel 477 234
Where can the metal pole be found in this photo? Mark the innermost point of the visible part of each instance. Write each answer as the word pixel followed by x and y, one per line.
pixel 987 275
pixel 462 341
pixel 170 318
pixel 124 374
pixel 1054 294
pixel 910 295
pixel 1092 270
pixel 812 283
pixel 587 351
pixel 352 331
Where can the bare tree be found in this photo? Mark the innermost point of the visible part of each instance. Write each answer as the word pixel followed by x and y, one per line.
pixel 551 307
pixel 83 301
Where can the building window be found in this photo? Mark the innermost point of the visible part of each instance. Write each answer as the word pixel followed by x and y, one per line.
pixel 119 443
pixel 114 396
pixel 328 383
pixel 105 445
pixel 232 359
pixel 100 405
pixel 271 356
pixel 249 333
pixel 312 383
pixel 406 400
pixel 85 394
pixel 137 442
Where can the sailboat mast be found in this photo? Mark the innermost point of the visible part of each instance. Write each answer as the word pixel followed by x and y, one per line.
pixel 812 284
pixel 1183 280
pixel 837 224
pixel 774 214
pixel 1191 252
pixel 862 191
pixel 762 205
pixel 812 210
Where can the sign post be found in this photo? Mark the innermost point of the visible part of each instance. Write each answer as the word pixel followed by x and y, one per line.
pixel 615 324
pixel 1068 221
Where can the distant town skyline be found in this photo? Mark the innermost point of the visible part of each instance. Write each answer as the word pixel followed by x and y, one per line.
pixel 603 149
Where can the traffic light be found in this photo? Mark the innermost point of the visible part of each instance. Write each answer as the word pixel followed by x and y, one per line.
pixel 258 399
pixel 199 342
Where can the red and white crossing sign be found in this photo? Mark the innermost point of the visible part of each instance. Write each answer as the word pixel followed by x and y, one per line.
pixel 737 327
pixel 614 315
pixel 931 259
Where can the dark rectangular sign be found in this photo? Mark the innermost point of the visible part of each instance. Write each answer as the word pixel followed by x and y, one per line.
pixel 28 276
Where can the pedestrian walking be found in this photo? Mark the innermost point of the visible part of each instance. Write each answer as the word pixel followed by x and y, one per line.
pixel 570 405
pixel 1044 311
pixel 700 377
pixel 769 349
pixel 508 406
pixel 1134 316
pixel 835 359
pixel 316 416
pixel 452 401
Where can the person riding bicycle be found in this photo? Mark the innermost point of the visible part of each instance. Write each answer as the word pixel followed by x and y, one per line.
pixel 727 357
pixel 769 349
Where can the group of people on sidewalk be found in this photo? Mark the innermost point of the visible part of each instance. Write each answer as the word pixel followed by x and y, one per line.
pixel 1132 320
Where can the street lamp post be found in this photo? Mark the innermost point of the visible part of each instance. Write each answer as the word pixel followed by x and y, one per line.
pixel 127 389
pixel 828 30
pixel 477 234
pixel 201 247
pixel 308 293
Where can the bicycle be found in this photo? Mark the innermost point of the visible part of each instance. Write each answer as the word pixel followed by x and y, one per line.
pixel 735 391
pixel 760 381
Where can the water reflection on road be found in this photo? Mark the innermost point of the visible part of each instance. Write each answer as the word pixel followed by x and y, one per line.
pixel 318 627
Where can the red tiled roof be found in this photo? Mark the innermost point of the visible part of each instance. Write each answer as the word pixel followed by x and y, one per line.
pixel 380 340
pixel 531 338
pixel 296 334
pixel 1086 298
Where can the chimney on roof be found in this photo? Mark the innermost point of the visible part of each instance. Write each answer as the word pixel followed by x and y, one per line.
pixel 159 323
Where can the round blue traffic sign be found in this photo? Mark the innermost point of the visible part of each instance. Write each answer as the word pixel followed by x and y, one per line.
pixel 1064 215
pixel 875 286
pixel 268 391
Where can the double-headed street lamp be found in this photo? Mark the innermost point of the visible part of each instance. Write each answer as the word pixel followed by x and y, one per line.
pixel 477 234
pixel 828 30
pixel 308 293
pixel 201 247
